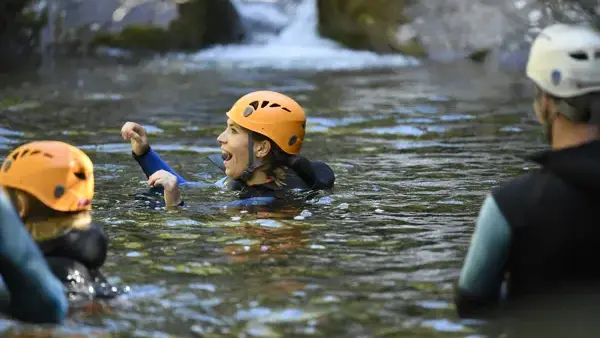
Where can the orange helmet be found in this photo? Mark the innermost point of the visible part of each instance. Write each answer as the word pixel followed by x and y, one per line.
pixel 58 174
pixel 274 115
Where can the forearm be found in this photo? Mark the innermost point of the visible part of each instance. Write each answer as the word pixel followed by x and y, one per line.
pixel 150 162
pixel 483 271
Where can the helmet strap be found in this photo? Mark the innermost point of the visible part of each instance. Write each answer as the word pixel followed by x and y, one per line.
pixel 546 120
pixel 247 174
pixel 548 132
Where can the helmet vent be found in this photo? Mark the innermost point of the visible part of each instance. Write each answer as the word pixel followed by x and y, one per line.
pixel 23 153
pixel 276 105
pixel 248 111
pixel 580 55
pixel 254 105
pixel 59 190
pixel 264 104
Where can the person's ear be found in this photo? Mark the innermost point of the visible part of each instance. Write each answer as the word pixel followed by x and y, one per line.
pixel 263 148
pixel 22 204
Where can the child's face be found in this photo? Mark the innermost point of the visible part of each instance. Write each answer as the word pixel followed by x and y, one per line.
pixel 234 146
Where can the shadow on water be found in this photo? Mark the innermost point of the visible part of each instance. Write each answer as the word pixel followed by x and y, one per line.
pixel 415 151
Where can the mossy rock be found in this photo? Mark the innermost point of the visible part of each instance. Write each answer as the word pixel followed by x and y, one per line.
pixel 200 23
pixel 367 25
pixel 19 34
pixel 135 37
pixel 412 47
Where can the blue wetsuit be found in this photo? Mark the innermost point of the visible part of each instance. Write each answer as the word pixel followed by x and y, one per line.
pixel 150 162
pixel 34 293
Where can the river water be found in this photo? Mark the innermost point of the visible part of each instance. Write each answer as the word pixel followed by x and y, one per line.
pixel 415 147
pixel 415 150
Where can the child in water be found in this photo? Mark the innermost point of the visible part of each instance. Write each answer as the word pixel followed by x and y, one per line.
pixel 260 153
pixel 51 186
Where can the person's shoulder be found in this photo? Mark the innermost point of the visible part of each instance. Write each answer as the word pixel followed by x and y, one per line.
pixel 515 197
pixel 523 182
pixel 316 175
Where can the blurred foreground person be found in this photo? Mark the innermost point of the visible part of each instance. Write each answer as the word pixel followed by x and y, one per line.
pixel 537 234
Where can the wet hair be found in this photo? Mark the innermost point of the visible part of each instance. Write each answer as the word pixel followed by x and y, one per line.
pixel 276 159
pixel 36 209
pixel 581 109
pixel 584 108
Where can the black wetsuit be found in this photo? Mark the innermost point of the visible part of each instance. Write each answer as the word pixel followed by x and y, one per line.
pixel 538 233
pixel 76 258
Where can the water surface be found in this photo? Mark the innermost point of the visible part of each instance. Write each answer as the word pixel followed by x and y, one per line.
pixel 415 150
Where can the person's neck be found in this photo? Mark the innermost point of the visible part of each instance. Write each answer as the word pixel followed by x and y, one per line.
pixel 258 177
pixel 567 134
pixel 43 229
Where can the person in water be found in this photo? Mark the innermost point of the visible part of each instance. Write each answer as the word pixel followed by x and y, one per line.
pixel 51 186
pixel 538 233
pixel 31 292
pixel 260 152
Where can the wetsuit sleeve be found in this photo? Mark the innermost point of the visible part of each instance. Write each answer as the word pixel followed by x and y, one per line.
pixel 481 278
pixel 150 163
pixel 36 295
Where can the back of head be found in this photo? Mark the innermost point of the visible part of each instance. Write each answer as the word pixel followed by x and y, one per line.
pixel 56 173
pixel 564 62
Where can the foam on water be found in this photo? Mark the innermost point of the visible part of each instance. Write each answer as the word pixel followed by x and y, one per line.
pixel 297 46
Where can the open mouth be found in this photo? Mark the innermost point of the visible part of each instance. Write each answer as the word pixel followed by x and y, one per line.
pixel 226 156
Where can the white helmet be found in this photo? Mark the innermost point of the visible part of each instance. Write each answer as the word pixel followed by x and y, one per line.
pixel 564 60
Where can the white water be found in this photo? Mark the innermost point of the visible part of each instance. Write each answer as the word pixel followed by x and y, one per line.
pixel 292 42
